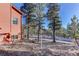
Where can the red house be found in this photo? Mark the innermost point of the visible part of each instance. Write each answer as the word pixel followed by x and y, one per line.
pixel 10 23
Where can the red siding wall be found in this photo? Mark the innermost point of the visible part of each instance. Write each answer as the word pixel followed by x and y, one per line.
pixel 16 28
pixel 7 13
pixel 4 18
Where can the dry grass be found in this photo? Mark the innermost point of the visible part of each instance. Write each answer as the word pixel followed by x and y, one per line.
pixel 33 49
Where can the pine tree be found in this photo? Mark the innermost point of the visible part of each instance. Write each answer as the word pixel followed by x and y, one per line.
pixel 28 9
pixel 53 17
pixel 69 32
pixel 73 28
pixel 39 17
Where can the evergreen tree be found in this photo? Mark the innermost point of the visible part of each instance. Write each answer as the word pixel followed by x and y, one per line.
pixel 53 17
pixel 28 9
pixel 39 11
pixel 73 28
pixel 69 32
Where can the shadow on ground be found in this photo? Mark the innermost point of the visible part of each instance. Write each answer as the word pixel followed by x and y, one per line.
pixel 16 53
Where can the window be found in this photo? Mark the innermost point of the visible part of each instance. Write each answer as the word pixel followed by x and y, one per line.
pixel 15 20
pixel 14 36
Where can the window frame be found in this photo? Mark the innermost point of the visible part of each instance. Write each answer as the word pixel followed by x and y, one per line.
pixel 15 21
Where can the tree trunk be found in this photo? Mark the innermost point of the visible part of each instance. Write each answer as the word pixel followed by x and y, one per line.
pixel 28 20
pixel 38 30
pixel 54 31
pixel 28 33
pixel 76 42
pixel 54 36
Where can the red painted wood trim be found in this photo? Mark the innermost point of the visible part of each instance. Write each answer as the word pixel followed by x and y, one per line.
pixel 4 33
pixel 17 10
pixel 21 27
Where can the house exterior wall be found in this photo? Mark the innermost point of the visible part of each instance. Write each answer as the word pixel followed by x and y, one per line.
pixel 7 13
pixel 4 18
pixel 16 28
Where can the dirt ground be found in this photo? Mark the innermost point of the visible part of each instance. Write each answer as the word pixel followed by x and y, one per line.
pixel 35 49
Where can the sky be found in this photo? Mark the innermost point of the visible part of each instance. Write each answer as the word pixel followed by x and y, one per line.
pixel 67 11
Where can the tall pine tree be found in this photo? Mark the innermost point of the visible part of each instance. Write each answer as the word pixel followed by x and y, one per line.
pixel 73 28
pixel 28 9
pixel 39 11
pixel 53 17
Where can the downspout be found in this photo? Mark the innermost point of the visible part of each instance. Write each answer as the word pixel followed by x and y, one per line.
pixel 21 26
pixel 10 19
